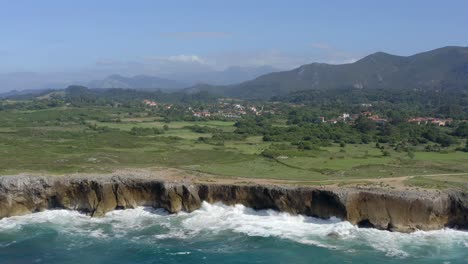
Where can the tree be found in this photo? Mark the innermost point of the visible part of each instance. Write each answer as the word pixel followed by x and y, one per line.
pixel 461 130
pixel 364 124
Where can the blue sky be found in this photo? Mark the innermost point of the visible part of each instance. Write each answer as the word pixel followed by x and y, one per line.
pixel 163 36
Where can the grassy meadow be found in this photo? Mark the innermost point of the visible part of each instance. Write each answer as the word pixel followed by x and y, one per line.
pixel 61 140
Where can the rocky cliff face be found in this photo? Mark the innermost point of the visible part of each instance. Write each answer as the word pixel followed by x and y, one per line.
pixel 392 210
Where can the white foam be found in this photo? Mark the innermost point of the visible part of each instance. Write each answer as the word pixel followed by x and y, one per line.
pixel 180 253
pixel 53 216
pixel 148 226
pixel 114 224
pixel 332 233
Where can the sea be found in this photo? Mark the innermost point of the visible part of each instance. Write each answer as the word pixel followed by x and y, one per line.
pixel 216 233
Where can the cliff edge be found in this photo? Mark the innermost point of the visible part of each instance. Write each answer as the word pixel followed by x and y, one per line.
pixel 393 210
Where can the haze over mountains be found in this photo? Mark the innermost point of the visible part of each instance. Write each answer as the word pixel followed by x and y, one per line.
pixel 231 75
pixel 175 80
pixel 228 76
pixel 444 68
pixel 136 82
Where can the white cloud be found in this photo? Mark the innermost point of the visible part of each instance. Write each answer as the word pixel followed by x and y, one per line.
pixel 186 58
pixel 192 63
pixel 327 53
pixel 180 58
pixel 275 58
pixel 182 65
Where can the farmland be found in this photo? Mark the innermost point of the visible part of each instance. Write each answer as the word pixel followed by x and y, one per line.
pixel 73 140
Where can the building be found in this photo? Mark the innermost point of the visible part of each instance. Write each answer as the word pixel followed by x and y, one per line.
pixel 202 114
pixel 150 103
pixel 430 120
pixel 231 115
pixel 253 109
pixel 378 120
pixel 238 106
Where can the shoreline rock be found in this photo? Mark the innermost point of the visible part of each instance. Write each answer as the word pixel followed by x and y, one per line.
pixel 402 211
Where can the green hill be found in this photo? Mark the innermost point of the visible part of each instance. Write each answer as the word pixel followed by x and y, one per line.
pixel 444 68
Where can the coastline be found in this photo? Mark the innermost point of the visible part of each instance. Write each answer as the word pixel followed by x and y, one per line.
pixel 95 195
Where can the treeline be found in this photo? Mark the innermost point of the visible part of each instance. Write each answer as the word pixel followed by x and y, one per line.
pixel 80 95
pixel 31 104
pixel 306 134
pixel 438 103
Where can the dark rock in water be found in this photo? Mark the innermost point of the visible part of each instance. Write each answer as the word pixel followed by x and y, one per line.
pixel 382 209
pixel 365 223
pixel 333 235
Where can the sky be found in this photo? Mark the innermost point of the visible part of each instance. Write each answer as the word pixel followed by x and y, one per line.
pixel 64 39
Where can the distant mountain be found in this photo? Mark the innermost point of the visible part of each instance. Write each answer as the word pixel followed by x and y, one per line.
pixel 58 80
pixel 231 75
pixel 136 82
pixel 204 87
pixel 444 68
pixel 30 93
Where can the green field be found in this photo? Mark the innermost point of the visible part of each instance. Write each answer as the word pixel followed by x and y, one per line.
pixel 60 141
pixel 439 182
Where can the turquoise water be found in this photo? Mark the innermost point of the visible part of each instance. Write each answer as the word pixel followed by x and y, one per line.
pixel 215 234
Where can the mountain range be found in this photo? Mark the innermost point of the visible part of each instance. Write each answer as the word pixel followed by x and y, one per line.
pixel 136 82
pixel 231 75
pixel 30 80
pixel 443 68
pixel 440 69
pixel 228 76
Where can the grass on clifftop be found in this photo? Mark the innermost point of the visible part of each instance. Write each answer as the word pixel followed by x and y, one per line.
pixel 440 182
pixel 59 141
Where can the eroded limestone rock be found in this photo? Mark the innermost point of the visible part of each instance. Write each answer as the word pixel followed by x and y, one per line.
pixel 382 209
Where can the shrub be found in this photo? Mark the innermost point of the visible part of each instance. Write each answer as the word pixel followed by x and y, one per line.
pixel 145 131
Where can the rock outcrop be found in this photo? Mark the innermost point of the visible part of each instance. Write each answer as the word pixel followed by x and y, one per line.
pixel 382 209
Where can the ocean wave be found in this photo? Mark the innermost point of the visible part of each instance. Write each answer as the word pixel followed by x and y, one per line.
pixel 147 225
pixel 332 233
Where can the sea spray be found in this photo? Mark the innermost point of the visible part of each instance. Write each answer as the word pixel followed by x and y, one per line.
pixel 214 232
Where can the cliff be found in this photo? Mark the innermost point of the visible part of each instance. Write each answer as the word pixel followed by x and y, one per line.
pixel 382 209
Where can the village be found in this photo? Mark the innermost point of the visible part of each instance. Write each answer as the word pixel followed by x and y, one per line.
pixel 228 109
pixel 223 109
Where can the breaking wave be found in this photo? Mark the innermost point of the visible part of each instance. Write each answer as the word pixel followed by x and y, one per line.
pixel 218 221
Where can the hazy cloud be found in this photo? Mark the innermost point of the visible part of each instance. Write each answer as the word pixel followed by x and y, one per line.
pixel 274 58
pixel 180 58
pixel 196 34
pixel 107 62
pixel 171 66
pixel 319 45
pixel 329 54
pixel 186 58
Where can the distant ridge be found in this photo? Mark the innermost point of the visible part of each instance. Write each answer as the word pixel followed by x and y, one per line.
pixel 230 75
pixel 443 68
pixel 136 82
